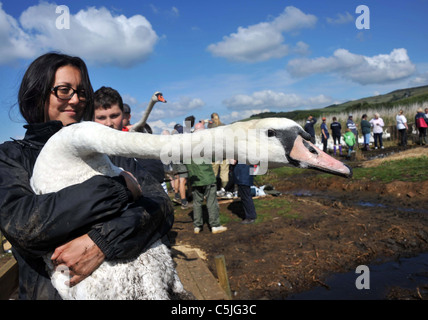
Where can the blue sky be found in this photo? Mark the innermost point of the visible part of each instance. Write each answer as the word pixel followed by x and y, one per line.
pixel 235 57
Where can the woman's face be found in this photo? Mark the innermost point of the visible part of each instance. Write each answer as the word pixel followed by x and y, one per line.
pixel 66 111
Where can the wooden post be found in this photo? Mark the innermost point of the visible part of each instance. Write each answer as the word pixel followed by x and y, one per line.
pixel 1 244
pixel 220 264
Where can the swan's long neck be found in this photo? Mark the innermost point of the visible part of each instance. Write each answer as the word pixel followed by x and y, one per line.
pixel 231 142
pixel 142 122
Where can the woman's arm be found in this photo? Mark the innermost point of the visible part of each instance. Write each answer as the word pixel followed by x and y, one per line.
pixel 37 224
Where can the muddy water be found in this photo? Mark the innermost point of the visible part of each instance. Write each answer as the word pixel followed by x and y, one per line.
pixel 407 273
pixel 357 203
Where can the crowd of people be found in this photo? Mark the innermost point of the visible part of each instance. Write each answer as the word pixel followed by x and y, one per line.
pixel 224 178
pixel 106 218
pixel 369 128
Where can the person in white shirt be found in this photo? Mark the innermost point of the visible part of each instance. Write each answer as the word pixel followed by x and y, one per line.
pixel 377 124
pixel 402 128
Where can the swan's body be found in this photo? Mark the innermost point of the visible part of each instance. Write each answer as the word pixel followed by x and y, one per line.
pixel 79 151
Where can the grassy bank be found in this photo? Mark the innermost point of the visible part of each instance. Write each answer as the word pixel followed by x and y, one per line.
pixel 411 169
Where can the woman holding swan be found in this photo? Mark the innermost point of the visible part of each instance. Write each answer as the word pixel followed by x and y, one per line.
pixel 80 223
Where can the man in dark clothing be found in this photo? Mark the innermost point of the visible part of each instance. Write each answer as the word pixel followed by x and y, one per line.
pixel 309 127
pixel 336 133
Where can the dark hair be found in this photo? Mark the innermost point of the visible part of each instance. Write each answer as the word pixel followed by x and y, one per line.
pixel 105 97
pixel 37 83
pixel 191 120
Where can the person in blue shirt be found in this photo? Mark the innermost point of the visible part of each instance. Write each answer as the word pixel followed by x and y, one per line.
pixel 324 134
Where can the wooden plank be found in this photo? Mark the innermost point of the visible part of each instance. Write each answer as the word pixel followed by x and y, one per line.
pixel 8 279
pixel 220 264
pixel 196 277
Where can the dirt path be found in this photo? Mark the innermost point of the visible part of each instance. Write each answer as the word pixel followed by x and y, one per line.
pixel 333 225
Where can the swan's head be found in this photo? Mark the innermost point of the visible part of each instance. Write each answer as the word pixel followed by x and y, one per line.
pixel 288 143
pixel 158 97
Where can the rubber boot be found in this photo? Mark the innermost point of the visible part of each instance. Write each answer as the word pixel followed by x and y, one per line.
pixel 340 150
pixel 334 150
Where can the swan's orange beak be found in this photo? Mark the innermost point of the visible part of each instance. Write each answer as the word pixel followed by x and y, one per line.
pixel 308 155
pixel 161 98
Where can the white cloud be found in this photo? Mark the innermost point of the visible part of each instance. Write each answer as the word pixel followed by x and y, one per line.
pixel 358 68
pixel 420 79
pixel 175 11
pixel 239 115
pixel 341 18
pixel 94 34
pixel 158 126
pixel 268 99
pixel 263 41
pixel 15 43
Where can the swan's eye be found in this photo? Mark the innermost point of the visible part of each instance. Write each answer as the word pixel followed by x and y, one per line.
pixel 271 133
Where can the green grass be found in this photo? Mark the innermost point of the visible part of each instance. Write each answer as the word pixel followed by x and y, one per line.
pixel 275 175
pixel 268 209
pixel 412 169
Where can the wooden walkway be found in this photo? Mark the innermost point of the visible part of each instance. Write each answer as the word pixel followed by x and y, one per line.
pixel 195 275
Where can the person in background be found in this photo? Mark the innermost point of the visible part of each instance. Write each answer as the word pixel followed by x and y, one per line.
pixel 126 119
pixel 109 111
pixel 353 126
pixel 215 121
pixel 336 132
pixel 203 184
pixel 244 180
pixel 309 127
pixel 377 124
pixel 421 120
pixel 350 141
pixel 366 131
pixel 402 127
pixel 189 122
pixel 324 134
pixel 221 168
pixel 180 177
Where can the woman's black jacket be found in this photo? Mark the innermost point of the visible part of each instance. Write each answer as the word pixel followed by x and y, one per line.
pixel 37 224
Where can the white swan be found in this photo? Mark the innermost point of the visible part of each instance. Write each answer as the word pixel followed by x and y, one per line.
pixel 79 151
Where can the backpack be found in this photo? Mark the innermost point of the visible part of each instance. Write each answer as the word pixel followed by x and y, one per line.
pixel 420 123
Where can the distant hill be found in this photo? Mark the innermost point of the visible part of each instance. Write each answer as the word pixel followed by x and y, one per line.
pixel 389 100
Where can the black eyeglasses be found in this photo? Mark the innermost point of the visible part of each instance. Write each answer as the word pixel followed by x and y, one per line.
pixel 66 93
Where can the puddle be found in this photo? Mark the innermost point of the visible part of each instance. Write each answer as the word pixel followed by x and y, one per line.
pixel 361 203
pixel 407 273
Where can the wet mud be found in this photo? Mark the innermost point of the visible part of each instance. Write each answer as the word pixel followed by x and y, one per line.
pixel 333 226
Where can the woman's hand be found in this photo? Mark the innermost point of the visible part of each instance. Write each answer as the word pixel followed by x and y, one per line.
pixel 132 184
pixel 81 256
